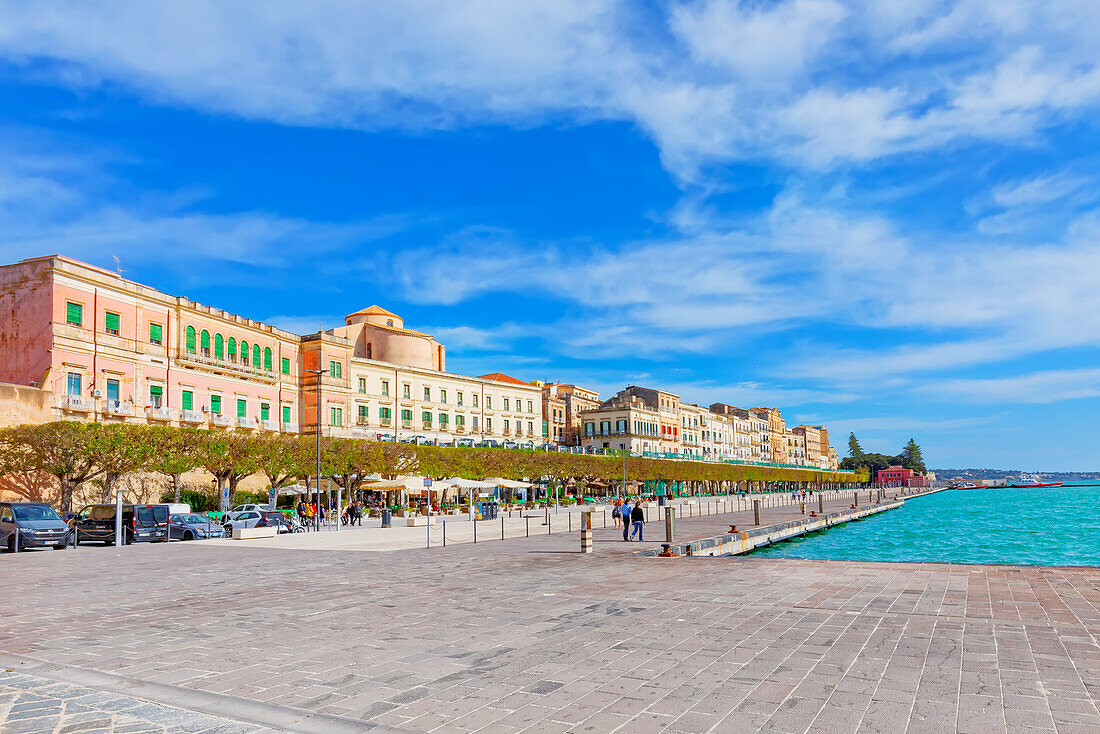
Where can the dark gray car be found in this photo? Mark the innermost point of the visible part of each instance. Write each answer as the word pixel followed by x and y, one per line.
pixel 38 525
pixel 193 526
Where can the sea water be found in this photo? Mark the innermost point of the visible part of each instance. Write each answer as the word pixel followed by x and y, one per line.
pixel 1057 526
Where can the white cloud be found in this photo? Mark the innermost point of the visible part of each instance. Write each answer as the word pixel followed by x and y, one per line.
pixel 1049 386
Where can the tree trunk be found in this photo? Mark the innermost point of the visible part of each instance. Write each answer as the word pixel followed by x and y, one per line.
pixel 109 479
pixel 177 481
pixel 66 493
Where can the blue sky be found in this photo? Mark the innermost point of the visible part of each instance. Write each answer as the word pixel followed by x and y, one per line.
pixel 877 214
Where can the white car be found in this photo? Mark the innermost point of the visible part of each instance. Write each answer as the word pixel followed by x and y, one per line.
pixel 250 508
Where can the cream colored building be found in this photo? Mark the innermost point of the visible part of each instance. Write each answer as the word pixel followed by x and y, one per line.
pixel 562 407
pixel 623 422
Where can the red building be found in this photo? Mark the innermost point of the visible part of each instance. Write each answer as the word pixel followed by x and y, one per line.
pixel 896 476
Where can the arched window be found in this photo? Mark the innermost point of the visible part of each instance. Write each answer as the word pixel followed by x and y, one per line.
pixel 219 347
pixel 256 356
pixel 232 349
pixel 389 322
pixel 190 343
pixel 267 358
pixel 204 343
pixel 244 352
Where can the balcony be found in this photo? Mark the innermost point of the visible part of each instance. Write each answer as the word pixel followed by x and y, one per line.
pixel 154 413
pixel 246 422
pixel 77 403
pixel 290 428
pixel 191 416
pixel 221 365
pixel 460 428
pixel 221 421
pixel 118 408
pixel 406 424
pixel 384 422
pixel 269 425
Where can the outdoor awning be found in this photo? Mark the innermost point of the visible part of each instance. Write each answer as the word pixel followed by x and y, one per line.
pixel 507 483
pixel 293 490
pixel 470 483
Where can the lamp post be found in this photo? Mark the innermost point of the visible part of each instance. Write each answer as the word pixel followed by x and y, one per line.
pixel 317 514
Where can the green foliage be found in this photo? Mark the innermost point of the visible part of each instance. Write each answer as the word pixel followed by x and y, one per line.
pixel 199 501
pixel 912 458
pixel 855 451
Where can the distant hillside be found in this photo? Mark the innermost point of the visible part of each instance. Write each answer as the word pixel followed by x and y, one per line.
pixel 945 475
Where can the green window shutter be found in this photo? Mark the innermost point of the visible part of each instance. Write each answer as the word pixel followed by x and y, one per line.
pixel 286 365
pixel 204 340
pixel 244 351
pixel 286 414
pixel 74 314
pixel 233 349
pixel 156 333
pixel 156 390
pixel 187 400
pixel 242 408
pixel 190 342
pixel 112 322
pixel 219 346
pixel 364 412
pixel 216 404
pixel 256 356
pixel 267 358
pixel 265 411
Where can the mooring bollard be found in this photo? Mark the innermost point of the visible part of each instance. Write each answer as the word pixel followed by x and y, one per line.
pixel 820 504
pixel 802 506
pixel 756 512
pixel 670 524
pixel 855 499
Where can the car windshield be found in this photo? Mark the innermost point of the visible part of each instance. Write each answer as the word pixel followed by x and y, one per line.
pixel 35 512
pixel 196 519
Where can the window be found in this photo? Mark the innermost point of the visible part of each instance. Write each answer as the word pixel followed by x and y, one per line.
pixel 389 322
pixel 72 383
pixel 232 349
pixel 204 343
pixel 506 403
pixel 74 314
pixel 530 407
pixel 286 414
pixel 155 395
pixel 156 333
pixel 335 369
pixel 286 365
pixel 489 425
pixel 216 404
pixel 384 414
pixel 589 429
pixel 407 416
pixel 362 384
pixel 474 396
pixel 189 341
pixel 187 400
pixel 427 395
pixel 405 392
pixel 265 412
pixel 267 359
pixel 460 398
pixel 605 427
pixel 112 390
pixel 242 408
pixel 385 388
pixel 111 323
pixel 370 351
pixel 256 356
pixel 244 352
pixel 442 395
pixel 531 429
pixel 443 420
pixel 620 426
pixel 506 425
pixel 488 402
pixel 364 414
pixel 474 422
pixel 426 418
pixel 460 421
pixel 219 346
pixel 336 416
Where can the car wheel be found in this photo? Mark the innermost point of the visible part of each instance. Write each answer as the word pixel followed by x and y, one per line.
pixel 11 544
pixel 60 547
pixel 188 535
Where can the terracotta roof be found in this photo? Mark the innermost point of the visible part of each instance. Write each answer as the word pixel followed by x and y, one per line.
pixel 501 377
pixel 375 310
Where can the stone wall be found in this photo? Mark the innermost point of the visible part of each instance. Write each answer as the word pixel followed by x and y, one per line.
pixel 22 404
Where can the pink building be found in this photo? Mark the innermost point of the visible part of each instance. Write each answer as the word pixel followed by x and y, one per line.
pixel 114 350
pixel 895 476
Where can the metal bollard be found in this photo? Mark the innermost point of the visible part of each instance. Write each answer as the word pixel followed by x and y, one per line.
pixel 756 512
pixel 15 543
pixel 527 519
pixel 444 533
pixel 475 531
pixel 670 524
pixel 502 526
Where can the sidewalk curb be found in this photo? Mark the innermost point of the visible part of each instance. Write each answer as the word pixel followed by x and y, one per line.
pixel 275 716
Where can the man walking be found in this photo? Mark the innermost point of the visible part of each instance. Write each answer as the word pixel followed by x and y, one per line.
pixel 624 513
pixel 637 516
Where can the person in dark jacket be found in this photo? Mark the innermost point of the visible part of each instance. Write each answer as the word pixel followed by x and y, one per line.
pixel 624 511
pixel 637 517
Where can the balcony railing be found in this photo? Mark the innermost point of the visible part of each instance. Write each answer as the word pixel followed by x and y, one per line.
pixel 183 355
pixel 78 403
pixel 406 424
pixel 154 413
pixel 290 428
pixel 117 407
pixel 246 422
pixel 269 425
pixel 221 421
pixel 191 416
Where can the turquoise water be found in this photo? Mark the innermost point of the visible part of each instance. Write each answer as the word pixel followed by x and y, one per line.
pixel 1055 526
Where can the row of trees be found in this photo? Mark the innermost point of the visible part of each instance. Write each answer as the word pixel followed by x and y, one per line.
pixel 74 453
pixel 859 460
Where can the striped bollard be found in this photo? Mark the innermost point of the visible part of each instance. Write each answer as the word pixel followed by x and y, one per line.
pixel 586 531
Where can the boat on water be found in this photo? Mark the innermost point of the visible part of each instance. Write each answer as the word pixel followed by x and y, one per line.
pixel 1028 481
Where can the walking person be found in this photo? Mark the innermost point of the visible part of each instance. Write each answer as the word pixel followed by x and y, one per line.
pixel 637 517
pixel 624 514
pixel 617 512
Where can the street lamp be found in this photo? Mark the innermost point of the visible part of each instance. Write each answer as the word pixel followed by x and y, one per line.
pixel 317 514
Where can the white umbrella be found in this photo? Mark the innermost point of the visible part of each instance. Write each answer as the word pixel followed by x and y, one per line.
pixel 507 483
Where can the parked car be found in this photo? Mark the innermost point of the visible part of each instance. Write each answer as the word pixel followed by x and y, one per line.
pixel 38 525
pixel 246 508
pixel 193 526
pixel 511 445
pixel 140 524
pixel 248 519
pixel 464 442
pixel 277 520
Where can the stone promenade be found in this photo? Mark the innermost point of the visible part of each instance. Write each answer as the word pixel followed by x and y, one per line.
pixel 527 634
